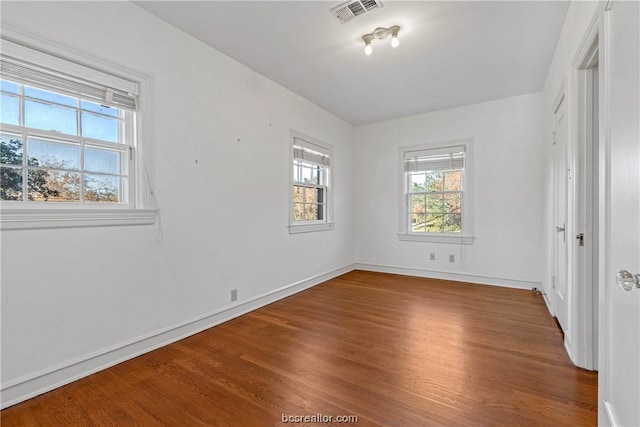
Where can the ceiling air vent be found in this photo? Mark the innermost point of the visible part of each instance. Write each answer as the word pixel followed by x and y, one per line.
pixel 350 10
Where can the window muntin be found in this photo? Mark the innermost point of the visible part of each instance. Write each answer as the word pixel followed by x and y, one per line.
pixel 434 190
pixel 311 163
pixel 61 148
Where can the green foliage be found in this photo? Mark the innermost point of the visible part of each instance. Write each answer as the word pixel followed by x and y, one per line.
pixel 11 178
pixel 38 184
pixel 11 152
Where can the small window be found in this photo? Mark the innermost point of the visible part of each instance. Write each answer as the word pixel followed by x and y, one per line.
pixel 64 139
pixel 310 194
pixel 435 192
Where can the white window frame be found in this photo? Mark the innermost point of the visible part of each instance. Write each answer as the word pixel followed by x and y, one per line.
pixel 327 223
pixel 465 237
pixel 139 209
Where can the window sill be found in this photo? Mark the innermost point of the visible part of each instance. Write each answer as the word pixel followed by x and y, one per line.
pixel 308 228
pixel 25 219
pixel 463 240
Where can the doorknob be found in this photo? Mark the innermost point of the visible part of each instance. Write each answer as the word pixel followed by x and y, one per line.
pixel 627 281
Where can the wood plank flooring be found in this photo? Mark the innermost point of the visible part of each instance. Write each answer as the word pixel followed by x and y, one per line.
pixel 391 350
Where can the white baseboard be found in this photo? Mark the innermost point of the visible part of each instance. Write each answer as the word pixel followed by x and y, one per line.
pixel 567 348
pixel 547 302
pixel 33 384
pixel 459 277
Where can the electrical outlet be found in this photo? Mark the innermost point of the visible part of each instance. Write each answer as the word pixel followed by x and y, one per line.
pixel 452 258
pixel 432 256
pixel 234 294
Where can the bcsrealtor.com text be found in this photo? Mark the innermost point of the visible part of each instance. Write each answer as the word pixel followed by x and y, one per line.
pixel 319 419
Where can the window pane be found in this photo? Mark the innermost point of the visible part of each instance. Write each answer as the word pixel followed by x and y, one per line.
pixel 53 186
pixel 418 182
pixel 418 222
pixel 434 223
pixel 306 174
pixel 49 117
pixel 320 211
pixel 105 161
pixel 434 203
pixel 11 183
pixel 452 203
pixel 45 95
pixel 10 110
pixel 99 127
pixel 453 223
pixel 97 108
pixel 310 195
pixel 318 174
pixel 298 194
pixel 418 203
pixel 298 211
pixel 434 181
pixel 320 195
pixel 10 150
pixel 311 212
pixel 102 188
pixel 8 86
pixel 53 154
pixel 452 181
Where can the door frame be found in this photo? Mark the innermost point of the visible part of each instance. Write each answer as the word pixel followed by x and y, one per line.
pixel 583 342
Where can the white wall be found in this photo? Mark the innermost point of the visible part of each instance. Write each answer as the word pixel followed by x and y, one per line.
pixel 576 23
pixel 507 164
pixel 71 294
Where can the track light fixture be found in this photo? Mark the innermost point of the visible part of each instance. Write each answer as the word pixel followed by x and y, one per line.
pixel 381 33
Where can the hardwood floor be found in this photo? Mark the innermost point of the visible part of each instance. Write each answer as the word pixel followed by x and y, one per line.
pixel 391 350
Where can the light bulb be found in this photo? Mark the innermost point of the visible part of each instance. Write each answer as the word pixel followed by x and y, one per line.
pixel 368 49
pixel 395 41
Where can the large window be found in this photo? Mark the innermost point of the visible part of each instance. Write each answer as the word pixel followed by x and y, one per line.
pixel 65 138
pixel 435 192
pixel 310 200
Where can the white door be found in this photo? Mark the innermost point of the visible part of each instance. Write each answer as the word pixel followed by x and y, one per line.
pixel 619 379
pixel 561 300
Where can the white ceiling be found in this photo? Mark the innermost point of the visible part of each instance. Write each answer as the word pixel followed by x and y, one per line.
pixel 451 53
